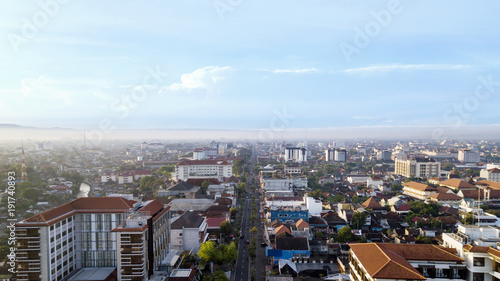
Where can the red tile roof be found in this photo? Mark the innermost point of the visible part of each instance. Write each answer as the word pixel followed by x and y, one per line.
pixel 419 186
pixel 86 204
pixel 203 162
pixel 456 184
pixel 390 261
pixel 215 222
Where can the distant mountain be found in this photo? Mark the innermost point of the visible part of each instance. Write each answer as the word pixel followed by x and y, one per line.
pixel 15 126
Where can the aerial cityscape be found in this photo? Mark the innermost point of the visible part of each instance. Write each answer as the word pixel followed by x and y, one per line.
pixel 249 140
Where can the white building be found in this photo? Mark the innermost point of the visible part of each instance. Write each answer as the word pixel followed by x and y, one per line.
pixel 296 154
pixel 283 184
pixel 315 206
pixel 492 174
pixel 188 231
pixel 202 169
pixel 468 156
pixel 337 155
pixel 357 178
pixel 384 155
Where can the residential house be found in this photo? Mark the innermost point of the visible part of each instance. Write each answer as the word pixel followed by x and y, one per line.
pixel 295 249
pixel 188 231
pixel 386 261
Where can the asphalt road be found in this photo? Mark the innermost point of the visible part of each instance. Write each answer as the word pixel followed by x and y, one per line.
pixel 242 268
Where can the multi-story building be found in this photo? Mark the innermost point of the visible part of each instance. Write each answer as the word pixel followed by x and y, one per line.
pixel 384 155
pixel 296 154
pixel 417 166
pixel 418 190
pixel 203 153
pixel 59 242
pixel 491 174
pixel 483 263
pixel 142 241
pixel 203 169
pixel 340 155
pixel 292 169
pixel 273 184
pixel 388 261
pixel 468 156
pixel 337 155
pixel 329 154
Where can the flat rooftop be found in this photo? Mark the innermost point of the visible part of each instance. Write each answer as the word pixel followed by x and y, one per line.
pixel 180 273
pixel 92 273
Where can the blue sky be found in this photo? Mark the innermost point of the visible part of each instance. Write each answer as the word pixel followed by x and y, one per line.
pixel 233 64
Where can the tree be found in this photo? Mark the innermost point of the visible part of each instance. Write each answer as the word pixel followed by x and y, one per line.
pixel 468 219
pixel 345 234
pixel 319 235
pixel 146 183
pixel 30 193
pixel 253 230
pixel 218 275
pixel 358 219
pixel 224 253
pixel 234 211
pixel 226 228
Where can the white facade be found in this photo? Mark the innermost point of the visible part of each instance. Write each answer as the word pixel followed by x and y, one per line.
pixel 296 154
pixel 187 239
pixel 197 169
pixel 357 178
pixel 314 206
pixel 468 156
pixel 492 174
pixel 283 184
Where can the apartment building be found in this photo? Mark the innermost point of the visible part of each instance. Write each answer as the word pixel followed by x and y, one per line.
pixel 483 263
pixel 387 261
pixel 417 166
pixel 337 155
pixel 142 241
pixel 80 234
pixel 203 169
pixel 490 174
pixel 296 154
pixel 468 156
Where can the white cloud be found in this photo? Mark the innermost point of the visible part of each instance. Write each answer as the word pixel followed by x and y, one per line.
pixel 204 79
pixel 390 67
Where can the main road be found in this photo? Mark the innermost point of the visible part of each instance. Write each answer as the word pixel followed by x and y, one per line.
pixel 242 268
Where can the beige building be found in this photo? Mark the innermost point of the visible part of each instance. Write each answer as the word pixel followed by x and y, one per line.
pixel 420 167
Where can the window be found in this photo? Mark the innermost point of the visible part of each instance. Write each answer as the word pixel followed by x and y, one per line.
pixel 440 273
pixel 477 276
pixel 478 261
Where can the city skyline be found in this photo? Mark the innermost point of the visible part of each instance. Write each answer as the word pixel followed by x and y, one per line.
pixel 239 65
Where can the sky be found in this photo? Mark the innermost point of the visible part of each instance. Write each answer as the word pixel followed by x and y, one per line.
pixel 241 64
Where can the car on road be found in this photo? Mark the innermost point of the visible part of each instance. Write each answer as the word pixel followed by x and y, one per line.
pixel 248 242
pixel 242 236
